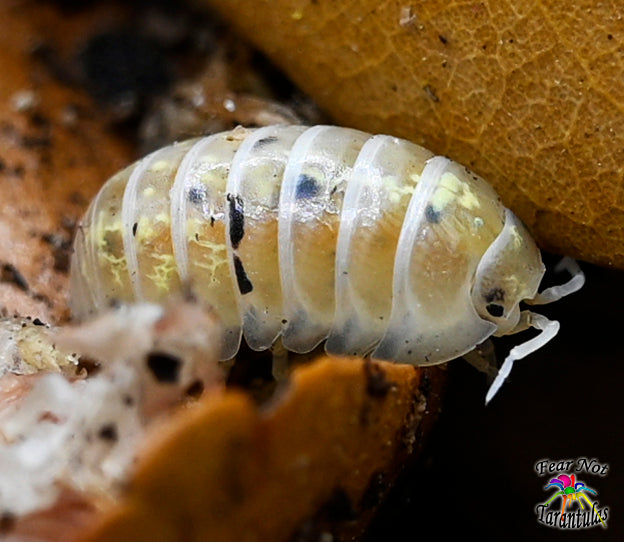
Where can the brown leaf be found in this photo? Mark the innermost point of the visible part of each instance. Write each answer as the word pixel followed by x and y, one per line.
pixel 54 154
pixel 318 457
pixel 529 95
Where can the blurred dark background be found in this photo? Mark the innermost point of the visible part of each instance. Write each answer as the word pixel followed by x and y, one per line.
pixel 477 477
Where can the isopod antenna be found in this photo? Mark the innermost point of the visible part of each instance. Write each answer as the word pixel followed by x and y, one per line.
pixel 548 328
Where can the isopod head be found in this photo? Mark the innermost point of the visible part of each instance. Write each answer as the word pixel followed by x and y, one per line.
pixel 509 272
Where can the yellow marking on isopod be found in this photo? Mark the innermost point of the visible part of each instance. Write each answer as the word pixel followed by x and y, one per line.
pixel 450 189
pixel 396 190
pixel 159 166
pixel 161 276
pixel 214 256
pixel 144 230
pixel 149 192
pixel 163 217
pixel 264 185
pixel 517 237
pixel 117 264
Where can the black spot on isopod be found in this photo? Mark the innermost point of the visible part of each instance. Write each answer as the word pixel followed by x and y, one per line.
pixel 495 310
pixel 197 194
pixel 134 229
pixel 244 284
pixel 237 220
pixel 108 432
pixel 432 215
pixel 38 322
pixel 164 367
pixel 264 142
pixel 307 187
pixel 495 294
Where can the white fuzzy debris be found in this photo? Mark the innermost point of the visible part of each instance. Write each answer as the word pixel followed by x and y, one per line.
pixel 26 347
pixel 84 433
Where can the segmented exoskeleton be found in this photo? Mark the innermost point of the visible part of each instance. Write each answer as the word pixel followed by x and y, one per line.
pixel 370 242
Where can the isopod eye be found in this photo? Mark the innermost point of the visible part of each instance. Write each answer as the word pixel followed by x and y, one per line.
pixel 509 271
pixel 495 310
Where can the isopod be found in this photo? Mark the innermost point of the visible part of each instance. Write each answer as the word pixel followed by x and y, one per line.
pixel 371 243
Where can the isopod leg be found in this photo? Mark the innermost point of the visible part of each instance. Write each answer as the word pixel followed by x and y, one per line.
pixel 548 328
pixel 280 360
pixel 483 358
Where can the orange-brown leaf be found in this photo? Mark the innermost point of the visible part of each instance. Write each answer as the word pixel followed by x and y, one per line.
pixel 528 94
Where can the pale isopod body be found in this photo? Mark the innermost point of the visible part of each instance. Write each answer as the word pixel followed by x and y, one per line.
pixel 370 242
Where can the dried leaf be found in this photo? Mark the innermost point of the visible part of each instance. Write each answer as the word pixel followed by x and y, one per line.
pixel 529 95
pixel 320 456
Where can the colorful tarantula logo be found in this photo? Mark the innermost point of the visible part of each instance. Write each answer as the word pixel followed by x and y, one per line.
pixel 571 491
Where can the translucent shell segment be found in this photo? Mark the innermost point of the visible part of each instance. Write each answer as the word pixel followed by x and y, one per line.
pixel 452 219
pixel 319 171
pixel 253 193
pixel 199 230
pixel 146 217
pixel 380 189
pixel 99 274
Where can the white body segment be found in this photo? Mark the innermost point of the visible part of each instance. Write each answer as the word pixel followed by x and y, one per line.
pixel 316 233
